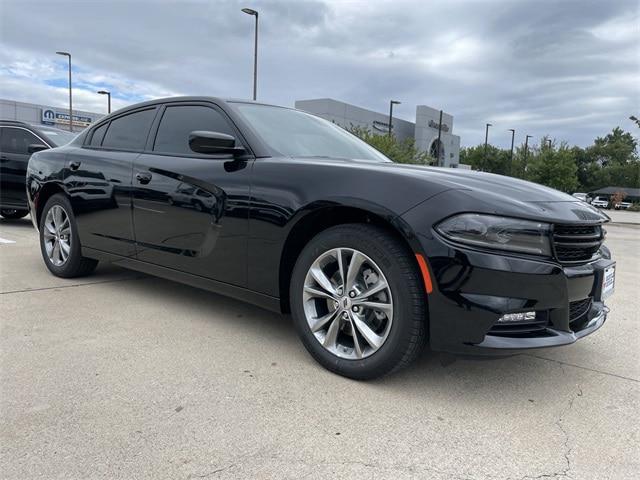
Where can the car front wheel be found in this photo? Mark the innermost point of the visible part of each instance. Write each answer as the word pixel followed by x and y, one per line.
pixel 59 240
pixel 358 302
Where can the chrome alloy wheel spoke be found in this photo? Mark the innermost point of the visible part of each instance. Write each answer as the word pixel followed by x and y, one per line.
pixel 57 235
pixel 348 303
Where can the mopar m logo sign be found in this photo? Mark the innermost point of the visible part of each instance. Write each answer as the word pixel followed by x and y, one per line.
pixel 48 117
pixel 54 117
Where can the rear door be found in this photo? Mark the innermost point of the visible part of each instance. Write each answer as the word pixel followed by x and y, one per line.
pixel 98 179
pixel 190 209
pixel 14 157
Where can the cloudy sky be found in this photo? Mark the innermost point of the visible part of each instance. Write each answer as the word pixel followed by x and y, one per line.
pixel 567 68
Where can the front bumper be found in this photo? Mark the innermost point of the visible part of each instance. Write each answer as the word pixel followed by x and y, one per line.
pixel 473 289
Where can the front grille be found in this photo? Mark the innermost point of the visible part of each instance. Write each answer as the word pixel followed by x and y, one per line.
pixel 579 308
pixel 574 244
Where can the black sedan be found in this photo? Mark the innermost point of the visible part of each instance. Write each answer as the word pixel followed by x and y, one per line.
pixel 290 212
pixel 18 140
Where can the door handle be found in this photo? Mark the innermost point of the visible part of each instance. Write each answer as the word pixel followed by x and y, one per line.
pixel 74 165
pixel 143 177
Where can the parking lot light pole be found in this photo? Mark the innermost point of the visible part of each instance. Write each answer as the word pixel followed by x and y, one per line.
pixel 67 54
pixel 391 104
pixel 108 94
pixel 250 11
pixel 439 142
pixel 513 136
pixel 486 139
pixel 526 149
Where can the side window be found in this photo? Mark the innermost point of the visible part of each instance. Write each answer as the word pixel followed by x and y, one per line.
pixel 98 135
pixel 17 140
pixel 129 132
pixel 180 120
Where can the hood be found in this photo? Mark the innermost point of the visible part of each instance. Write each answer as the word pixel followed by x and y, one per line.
pixel 477 191
pixel 503 195
pixel 481 182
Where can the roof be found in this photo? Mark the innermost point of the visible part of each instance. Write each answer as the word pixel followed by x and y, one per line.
pixel 631 192
pixel 15 123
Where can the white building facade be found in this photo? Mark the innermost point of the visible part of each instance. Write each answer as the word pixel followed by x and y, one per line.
pixel 35 114
pixel 425 130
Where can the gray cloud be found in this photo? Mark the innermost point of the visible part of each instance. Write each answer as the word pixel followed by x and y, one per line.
pixel 570 69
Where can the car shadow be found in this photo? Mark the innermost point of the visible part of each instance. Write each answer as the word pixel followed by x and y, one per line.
pixel 21 223
pixel 432 371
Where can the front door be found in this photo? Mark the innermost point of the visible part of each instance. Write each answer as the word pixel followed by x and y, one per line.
pixel 190 210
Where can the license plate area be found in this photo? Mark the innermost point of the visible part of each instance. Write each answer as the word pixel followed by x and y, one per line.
pixel 608 282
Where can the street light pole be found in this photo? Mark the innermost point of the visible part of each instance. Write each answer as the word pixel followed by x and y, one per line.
pixel 526 149
pixel 108 94
pixel 439 135
pixel 549 143
pixel 391 104
pixel 513 135
pixel 486 139
pixel 67 54
pixel 250 11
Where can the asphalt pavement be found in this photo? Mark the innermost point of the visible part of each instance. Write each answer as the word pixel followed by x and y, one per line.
pixel 122 375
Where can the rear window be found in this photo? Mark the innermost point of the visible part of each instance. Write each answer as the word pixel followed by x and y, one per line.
pixel 98 135
pixel 130 131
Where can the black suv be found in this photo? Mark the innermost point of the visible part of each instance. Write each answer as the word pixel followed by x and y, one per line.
pixel 274 206
pixel 18 140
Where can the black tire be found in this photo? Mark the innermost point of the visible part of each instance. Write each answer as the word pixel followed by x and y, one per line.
pixel 408 332
pixel 13 214
pixel 76 265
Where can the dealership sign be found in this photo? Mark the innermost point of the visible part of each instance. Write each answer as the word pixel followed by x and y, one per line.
pixel 53 117
pixel 434 124
pixel 381 126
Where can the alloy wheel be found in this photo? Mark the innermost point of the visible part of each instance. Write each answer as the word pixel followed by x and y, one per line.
pixel 348 303
pixel 57 235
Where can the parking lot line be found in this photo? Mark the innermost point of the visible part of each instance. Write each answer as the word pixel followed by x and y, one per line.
pixel 4 240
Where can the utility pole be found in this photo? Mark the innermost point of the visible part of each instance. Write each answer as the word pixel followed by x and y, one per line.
pixel 391 104
pixel 250 11
pixel 439 143
pixel 526 150
pixel 513 135
pixel 108 94
pixel 67 54
pixel 486 139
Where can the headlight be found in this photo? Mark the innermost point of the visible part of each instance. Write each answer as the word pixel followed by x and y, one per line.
pixel 500 233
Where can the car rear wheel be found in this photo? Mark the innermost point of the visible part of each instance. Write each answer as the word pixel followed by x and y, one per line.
pixel 59 241
pixel 358 302
pixel 13 213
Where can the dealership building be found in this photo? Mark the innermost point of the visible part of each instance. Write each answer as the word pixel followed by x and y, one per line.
pixel 424 130
pixel 46 115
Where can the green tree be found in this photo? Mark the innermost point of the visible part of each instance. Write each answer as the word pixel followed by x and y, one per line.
pixel 617 147
pixel 495 160
pixel 400 151
pixel 635 120
pixel 554 168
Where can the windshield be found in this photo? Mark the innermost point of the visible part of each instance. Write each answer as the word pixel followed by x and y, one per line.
pixel 59 137
pixel 297 134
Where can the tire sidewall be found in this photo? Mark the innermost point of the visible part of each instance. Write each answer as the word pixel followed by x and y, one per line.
pixel 75 255
pixel 400 336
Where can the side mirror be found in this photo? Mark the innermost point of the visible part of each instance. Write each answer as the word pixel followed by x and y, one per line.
pixel 36 147
pixel 201 141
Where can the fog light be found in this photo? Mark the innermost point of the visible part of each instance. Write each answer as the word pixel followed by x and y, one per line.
pixel 517 317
